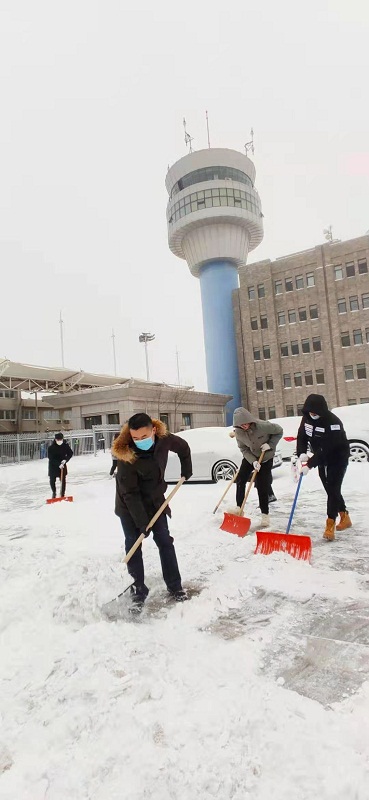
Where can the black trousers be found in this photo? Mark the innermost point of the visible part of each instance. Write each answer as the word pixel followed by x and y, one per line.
pixel 263 483
pixel 53 478
pixel 331 477
pixel 167 553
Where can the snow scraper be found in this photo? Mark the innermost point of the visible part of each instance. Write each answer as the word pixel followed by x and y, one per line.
pixel 69 499
pixel 237 523
pixel 296 546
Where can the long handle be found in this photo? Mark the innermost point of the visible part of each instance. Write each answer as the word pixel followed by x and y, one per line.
pixel 153 520
pixel 253 476
pixel 227 490
pixel 294 504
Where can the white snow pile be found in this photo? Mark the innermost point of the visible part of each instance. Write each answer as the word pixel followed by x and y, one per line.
pixel 253 690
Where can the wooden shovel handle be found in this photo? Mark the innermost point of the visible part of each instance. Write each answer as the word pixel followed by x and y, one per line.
pixel 153 520
pixel 253 476
pixel 227 490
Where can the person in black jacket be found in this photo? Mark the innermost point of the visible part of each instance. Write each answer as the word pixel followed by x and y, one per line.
pixel 141 450
pixel 59 453
pixel 325 434
pixel 114 460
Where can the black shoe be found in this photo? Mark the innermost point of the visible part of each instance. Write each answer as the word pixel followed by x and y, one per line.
pixel 53 495
pixel 272 498
pixel 138 594
pixel 179 596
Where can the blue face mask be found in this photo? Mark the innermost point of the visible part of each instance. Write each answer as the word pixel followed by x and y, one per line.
pixel 144 444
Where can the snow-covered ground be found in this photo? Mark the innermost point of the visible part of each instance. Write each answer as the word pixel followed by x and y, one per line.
pixel 255 689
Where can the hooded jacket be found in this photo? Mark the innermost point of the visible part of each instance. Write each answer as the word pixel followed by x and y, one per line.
pixel 56 454
pixel 259 433
pixel 140 484
pixel 325 435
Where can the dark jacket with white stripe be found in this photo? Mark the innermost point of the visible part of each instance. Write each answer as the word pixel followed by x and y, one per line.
pixel 325 435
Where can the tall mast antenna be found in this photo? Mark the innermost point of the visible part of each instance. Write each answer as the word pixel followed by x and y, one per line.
pixel 250 145
pixel 188 138
pixel 207 128
pixel 114 355
pixel 61 323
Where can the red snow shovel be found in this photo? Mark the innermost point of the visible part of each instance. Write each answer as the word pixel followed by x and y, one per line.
pixel 60 499
pixel 237 523
pixel 296 546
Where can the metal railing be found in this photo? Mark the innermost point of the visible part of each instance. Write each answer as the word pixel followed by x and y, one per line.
pixel 16 448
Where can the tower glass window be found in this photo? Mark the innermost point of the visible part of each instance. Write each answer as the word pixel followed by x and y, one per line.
pixel 211 174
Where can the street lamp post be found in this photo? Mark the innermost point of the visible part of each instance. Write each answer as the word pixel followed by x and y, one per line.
pixel 144 338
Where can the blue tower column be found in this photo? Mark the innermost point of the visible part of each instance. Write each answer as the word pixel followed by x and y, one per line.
pixel 217 281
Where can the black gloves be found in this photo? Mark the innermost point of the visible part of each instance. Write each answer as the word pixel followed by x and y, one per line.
pixel 187 477
pixel 145 532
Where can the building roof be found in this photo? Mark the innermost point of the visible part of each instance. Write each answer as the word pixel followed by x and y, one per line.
pixel 30 378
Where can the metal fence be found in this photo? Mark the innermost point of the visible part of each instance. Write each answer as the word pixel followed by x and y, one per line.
pixel 15 448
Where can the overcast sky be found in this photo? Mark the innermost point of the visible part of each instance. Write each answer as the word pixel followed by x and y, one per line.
pixel 93 93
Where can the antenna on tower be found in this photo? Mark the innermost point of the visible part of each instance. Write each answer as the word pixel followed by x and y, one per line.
pixel 207 128
pixel 114 354
pixel 188 138
pixel 61 323
pixel 250 145
pixel 328 234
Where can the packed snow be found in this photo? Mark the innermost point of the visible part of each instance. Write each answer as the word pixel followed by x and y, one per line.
pixel 254 689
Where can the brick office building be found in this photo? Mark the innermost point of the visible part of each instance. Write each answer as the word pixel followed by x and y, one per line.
pixel 302 326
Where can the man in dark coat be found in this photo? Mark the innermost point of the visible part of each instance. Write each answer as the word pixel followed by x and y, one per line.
pixel 141 450
pixel 59 453
pixel 325 434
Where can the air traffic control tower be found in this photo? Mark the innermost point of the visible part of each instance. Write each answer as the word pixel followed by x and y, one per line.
pixel 214 219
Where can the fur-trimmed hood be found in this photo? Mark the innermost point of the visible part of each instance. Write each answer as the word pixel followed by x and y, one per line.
pixel 122 446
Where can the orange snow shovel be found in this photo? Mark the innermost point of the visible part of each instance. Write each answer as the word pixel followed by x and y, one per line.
pixel 237 523
pixel 296 546
pixel 60 499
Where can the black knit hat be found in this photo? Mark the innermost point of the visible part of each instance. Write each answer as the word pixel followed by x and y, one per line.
pixel 59 437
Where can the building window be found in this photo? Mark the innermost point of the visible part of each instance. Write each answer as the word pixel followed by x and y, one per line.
pixel 319 374
pixel 292 316
pixel 298 379
pixel 28 413
pixel 289 285
pixel 269 382
pixel 361 371
pixel 345 339
pixel 290 411
pixel 358 337
pixel 310 279
pixel 349 373
pixel 256 354
pixel 300 407
pixel 281 318
pixel 52 413
pixel 367 335
pixel 90 421
pixel 350 269
pixel 302 314
pixel 338 273
pixel 261 290
pixel 7 414
pixel 365 300
pixel 278 287
pixel 305 345
pixel 165 418
pixel 314 314
pixel 364 399
pixel 261 413
pixel 295 348
pixel 287 381
pixel 254 323
pixel 317 345
pixel 351 403
pixel 363 267
pixel 299 282
pixel 342 308
pixel 251 291
pixel 266 351
pixel 113 419
pixel 354 303
pixel 264 322
pixel 309 378
pixel 259 384
pixel 284 349
pixel 8 393
pixel 186 420
pixel 271 413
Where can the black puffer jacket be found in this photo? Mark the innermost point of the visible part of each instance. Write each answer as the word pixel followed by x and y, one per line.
pixel 325 435
pixel 140 474
pixel 58 453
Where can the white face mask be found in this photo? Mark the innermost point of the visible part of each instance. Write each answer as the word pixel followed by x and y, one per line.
pixel 314 416
pixel 59 442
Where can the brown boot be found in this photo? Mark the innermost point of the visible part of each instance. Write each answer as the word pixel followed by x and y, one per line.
pixel 344 522
pixel 329 529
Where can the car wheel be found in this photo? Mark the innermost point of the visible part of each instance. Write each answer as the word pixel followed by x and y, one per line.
pixel 223 471
pixel 359 452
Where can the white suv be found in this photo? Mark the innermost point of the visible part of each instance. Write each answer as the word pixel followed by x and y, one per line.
pixel 356 424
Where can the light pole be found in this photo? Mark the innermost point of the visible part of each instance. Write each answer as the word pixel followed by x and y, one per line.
pixel 114 355
pixel 145 338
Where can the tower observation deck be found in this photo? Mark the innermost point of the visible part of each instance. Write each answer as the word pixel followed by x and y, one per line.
pixel 214 219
